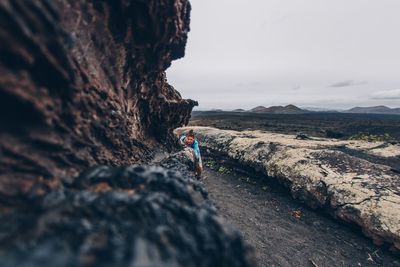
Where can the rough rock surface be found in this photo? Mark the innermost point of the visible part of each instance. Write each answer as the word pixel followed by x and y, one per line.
pixel 354 180
pixel 83 83
pixel 126 216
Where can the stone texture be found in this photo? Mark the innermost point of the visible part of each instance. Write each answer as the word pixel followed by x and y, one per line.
pixel 83 88
pixel 355 181
pixel 83 83
pixel 126 216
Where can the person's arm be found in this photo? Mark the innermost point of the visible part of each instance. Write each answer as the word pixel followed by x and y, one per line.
pixel 196 149
pixel 182 140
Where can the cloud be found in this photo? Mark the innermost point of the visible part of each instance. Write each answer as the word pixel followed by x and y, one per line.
pixel 347 83
pixel 387 94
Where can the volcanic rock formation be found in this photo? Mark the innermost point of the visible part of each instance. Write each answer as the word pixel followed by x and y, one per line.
pixel 127 216
pixel 355 181
pixel 83 83
pixel 82 86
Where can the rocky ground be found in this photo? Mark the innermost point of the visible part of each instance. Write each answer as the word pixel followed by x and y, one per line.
pixel 323 173
pixel 284 232
pixel 331 125
pixel 121 216
pixel 84 104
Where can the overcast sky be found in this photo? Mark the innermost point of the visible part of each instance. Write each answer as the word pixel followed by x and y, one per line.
pixel 312 53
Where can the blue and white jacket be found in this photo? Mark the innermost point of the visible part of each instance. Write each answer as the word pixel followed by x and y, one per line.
pixel 194 146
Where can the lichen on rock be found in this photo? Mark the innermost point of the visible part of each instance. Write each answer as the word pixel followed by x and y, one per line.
pixel 346 178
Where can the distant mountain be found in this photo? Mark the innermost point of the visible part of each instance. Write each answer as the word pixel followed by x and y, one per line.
pixel 322 110
pixel 238 110
pixel 374 110
pixel 289 109
pixel 258 109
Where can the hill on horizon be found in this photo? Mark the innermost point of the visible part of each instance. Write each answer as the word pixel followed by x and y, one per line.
pixel 292 109
pixel 288 109
pixel 374 110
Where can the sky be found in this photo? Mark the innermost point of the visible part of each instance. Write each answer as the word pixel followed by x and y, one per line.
pixel 311 53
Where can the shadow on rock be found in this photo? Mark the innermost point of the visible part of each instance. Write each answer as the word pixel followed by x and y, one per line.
pixel 126 216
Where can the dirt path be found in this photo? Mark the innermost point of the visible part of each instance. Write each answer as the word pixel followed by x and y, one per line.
pixel 285 233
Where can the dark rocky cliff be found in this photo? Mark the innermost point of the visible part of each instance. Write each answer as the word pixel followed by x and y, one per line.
pixel 83 83
pixel 83 88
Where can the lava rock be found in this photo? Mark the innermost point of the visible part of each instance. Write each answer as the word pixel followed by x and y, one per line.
pixel 126 216
pixel 334 134
pixel 354 180
pixel 83 83
pixel 302 136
